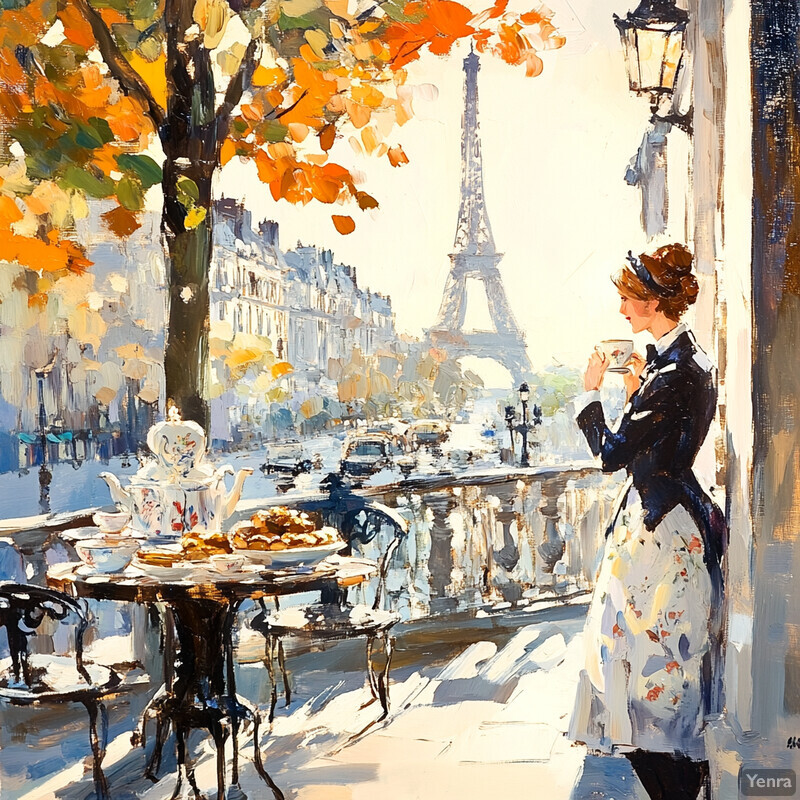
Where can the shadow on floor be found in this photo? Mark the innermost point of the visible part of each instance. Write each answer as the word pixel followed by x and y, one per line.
pixel 607 778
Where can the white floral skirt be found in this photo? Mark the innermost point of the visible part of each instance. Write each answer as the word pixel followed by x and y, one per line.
pixel 646 635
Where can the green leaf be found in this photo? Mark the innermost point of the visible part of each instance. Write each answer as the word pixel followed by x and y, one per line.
pixel 144 9
pixel 188 188
pixel 394 11
pixel 117 5
pixel 130 194
pixel 126 33
pixel 314 19
pixel 86 182
pixel 150 48
pixel 146 170
pixel 94 134
pixel 273 131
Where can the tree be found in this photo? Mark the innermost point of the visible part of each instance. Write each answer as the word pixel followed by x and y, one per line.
pixel 110 98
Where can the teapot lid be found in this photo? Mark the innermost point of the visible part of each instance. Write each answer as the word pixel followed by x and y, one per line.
pixel 179 447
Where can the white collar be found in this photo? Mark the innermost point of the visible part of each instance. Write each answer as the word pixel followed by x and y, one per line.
pixel 669 337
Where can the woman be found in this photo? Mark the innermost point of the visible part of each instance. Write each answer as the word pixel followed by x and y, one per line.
pixel 652 632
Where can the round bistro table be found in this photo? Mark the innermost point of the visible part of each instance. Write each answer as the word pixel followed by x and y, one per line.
pixel 200 689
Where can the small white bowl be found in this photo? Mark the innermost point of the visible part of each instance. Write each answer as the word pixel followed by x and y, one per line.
pixel 225 564
pixel 107 555
pixel 111 521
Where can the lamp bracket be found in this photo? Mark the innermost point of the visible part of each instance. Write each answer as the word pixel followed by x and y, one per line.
pixel 682 121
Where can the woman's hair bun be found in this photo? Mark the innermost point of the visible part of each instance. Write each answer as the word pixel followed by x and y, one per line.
pixel 677 256
pixel 670 269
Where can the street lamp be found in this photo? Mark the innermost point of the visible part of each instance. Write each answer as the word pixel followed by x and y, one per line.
pixel 524 394
pixel 45 476
pixel 510 414
pixel 654 41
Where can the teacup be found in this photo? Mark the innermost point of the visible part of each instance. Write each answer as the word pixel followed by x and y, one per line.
pixel 618 352
pixel 107 554
pixel 111 522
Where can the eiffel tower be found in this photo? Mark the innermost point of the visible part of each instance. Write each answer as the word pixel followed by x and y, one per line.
pixel 475 257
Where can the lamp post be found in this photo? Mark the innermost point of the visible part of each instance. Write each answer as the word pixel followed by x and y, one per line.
pixel 654 42
pixel 45 476
pixel 524 394
pixel 510 414
pixel 536 420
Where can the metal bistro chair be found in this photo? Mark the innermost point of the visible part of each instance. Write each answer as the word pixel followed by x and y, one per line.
pixel 30 679
pixel 326 621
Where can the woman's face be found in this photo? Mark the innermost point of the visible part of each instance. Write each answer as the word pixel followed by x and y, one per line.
pixel 640 313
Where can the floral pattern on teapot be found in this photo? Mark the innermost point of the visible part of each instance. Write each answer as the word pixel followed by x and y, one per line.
pixel 179 448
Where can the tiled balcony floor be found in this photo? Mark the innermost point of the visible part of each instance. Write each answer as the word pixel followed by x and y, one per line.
pixel 478 710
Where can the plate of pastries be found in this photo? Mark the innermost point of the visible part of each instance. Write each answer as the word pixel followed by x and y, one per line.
pixel 284 537
pixel 198 551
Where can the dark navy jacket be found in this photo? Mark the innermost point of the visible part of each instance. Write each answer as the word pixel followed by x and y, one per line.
pixel 659 437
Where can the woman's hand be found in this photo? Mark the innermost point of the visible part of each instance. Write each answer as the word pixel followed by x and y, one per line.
pixel 635 366
pixel 595 371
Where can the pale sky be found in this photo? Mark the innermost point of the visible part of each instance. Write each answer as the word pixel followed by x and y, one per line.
pixel 555 151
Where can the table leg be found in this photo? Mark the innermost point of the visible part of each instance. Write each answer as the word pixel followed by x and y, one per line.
pixel 202 693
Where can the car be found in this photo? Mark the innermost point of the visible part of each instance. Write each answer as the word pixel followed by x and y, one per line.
pixel 287 458
pixel 364 454
pixel 427 432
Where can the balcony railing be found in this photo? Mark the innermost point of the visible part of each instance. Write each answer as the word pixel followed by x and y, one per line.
pixel 493 543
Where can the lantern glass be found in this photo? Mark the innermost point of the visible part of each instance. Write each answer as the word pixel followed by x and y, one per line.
pixel 653 38
pixel 673 53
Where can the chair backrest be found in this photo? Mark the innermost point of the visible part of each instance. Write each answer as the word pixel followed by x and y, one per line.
pixel 23 608
pixel 365 525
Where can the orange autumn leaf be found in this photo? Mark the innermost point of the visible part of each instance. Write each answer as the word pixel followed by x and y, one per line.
pixel 343 224
pixel 9 212
pixel 280 369
pixel 23 27
pixel 227 151
pixel 366 201
pixel 76 29
pixel 153 73
pixel 498 8
pixel 264 77
pixel 397 156
pixel 443 21
pixel 38 300
pixel 120 221
pixel 327 136
pixel 39 255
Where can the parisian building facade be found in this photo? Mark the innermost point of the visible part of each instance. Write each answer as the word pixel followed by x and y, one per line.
pixel 309 307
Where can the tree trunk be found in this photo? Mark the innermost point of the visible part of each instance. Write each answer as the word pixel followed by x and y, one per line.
pixel 190 136
pixel 186 357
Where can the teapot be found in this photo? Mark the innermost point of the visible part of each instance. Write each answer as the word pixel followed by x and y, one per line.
pixel 178 491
